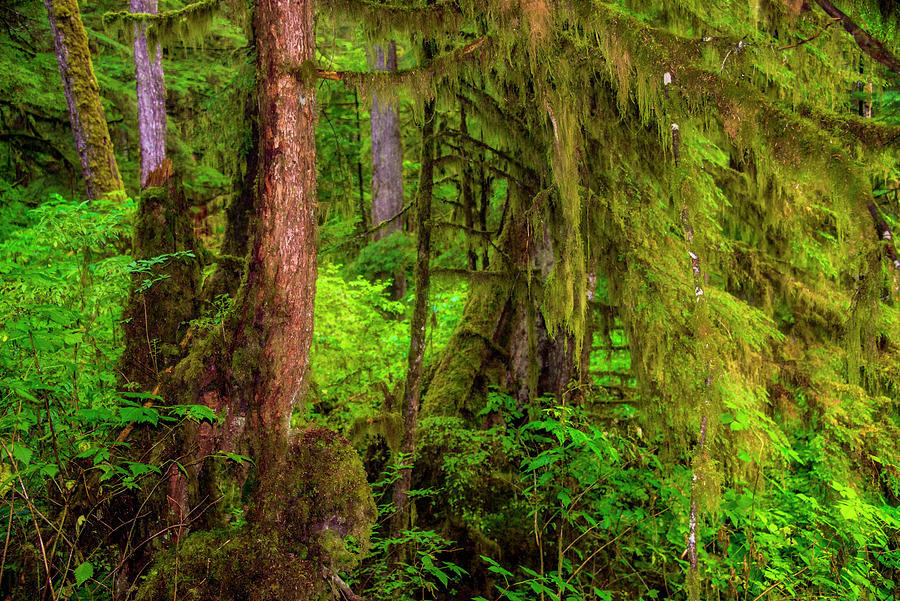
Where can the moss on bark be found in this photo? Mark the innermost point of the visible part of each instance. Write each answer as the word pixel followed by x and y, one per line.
pixel 453 390
pixel 164 287
pixel 92 141
pixel 312 512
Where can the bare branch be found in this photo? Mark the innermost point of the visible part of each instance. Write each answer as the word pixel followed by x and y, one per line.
pixel 864 39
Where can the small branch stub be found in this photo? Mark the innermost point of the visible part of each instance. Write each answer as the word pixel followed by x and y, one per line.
pixel 676 141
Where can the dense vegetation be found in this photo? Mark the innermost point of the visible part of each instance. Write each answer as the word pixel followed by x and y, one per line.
pixel 633 334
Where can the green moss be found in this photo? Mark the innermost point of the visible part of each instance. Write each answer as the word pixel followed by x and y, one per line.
pixel 165 284
pixel 318 497
pixel 189 23
pixel 249 564
pixel 98 162
pixel 315 510
pixel 451 391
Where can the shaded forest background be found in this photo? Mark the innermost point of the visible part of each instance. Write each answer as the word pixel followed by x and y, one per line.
pixel 605 305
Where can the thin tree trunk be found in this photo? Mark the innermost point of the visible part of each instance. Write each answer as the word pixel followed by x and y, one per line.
pixel 95 149
pixel 277 309
pixel 413 389
pixel 468 195
pixel 387 153
pixel 361 199
pixel 151 94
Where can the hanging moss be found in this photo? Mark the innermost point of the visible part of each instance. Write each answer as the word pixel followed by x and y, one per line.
pixel 190 23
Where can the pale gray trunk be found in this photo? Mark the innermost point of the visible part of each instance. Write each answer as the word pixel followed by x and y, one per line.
pixel 151 94
pixel 387 152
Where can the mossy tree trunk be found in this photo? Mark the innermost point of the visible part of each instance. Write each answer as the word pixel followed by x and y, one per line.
pixel 387 152
pixel 151 94
pixel 236 239
pixel 164 297
pixel 277 304
pixel 468 195
pixel 413 388
pixel 95 149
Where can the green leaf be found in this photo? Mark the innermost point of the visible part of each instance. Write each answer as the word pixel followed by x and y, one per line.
pixel 139 469
pixel 202 413
pixel 84 572
pixel 22 453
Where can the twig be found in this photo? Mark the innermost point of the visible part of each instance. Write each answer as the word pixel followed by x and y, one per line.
pixel 33 510
pixel 620 535
pixel 343 586
pixel 807 40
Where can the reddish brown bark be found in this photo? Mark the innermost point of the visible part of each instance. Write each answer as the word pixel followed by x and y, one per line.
pixel 98 163
pixel 277 310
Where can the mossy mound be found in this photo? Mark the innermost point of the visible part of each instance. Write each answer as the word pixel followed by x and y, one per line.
pixel 312 511
pixel 250 565
pixel 319 497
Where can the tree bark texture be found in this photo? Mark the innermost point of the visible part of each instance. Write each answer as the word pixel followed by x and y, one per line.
pixel 387 152
pixel 151 94
pixel 277 310
pixel 156 314
pixel 413 389
pixel 89 128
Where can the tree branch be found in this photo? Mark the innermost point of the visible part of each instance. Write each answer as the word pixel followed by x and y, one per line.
pixel 864 40
pixel 885 233
pixel 427 73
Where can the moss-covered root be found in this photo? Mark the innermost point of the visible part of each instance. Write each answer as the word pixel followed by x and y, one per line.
pixel 313 511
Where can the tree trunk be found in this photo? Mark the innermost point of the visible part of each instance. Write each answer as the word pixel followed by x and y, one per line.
pixel 277 308
pixel 468 195
pixel 413 389
pixel 387 153
pixel 151 94
pixel 156 314
pixel 95 149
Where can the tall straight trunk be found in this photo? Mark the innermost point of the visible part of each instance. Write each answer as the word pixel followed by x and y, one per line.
pixel 95 149
pixel 277 309
pixel 413 389
pixel 387 152
pixel 151 94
